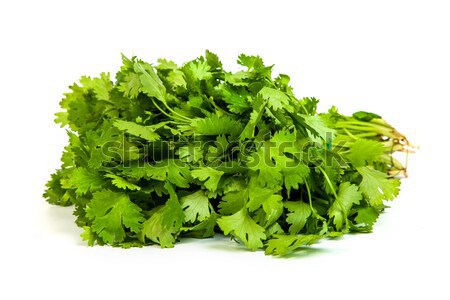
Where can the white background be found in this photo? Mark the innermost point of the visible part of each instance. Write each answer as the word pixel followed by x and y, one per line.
pixel 390 57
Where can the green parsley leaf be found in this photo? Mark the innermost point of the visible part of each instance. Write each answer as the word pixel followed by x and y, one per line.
pixel 196 207
pixel 154 230
pixel 286 244
pixel 298 215
pixel 215 125
pixel 250 61
pixel 233 202
pixel 122 183
pixel 364 152
pixel 176 78
pixel 237 99
pixel 173 216
pixel 83 181
pixel 242 226
pixel 130 85
pixel 376 186
pixel 275 99
pixel 365 116
pixel 145 132
pixel 210 176
pixel 200 69
pixel 348 195
pixel 111 213
pixel 173 170
pixel 152 85
pixel 367 216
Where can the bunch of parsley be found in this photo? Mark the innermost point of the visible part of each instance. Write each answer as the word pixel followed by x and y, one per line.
pixel 167 151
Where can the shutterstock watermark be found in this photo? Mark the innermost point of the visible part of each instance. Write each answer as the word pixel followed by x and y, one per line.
pixel 224 152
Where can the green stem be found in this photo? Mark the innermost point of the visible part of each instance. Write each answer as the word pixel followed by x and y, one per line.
pixel 380 122
pixel 211 101
pixel 389 133
pixel 309 197
pixel 313 210
pixel 279 117
pixel 335 195
pixel 392 161
pixel 175 113
pixel 350 134
pixel 365 134
pixel 328 181
pixel 302 106
pixel 361 127
pixel 371 124
pixel 165 113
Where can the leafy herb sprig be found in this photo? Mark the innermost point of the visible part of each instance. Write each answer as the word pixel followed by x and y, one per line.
pixel 166 151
